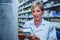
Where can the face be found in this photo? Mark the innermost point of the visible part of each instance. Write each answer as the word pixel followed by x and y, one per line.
pixel 37 13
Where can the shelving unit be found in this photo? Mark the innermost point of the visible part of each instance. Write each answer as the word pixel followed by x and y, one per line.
pixel 55 5
pixel 24 11
pixel 55 19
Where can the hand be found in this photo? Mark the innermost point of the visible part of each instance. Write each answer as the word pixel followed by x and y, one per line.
pixel 21 36
pixel 34 37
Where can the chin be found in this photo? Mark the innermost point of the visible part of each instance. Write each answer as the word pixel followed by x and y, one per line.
pixel 37 19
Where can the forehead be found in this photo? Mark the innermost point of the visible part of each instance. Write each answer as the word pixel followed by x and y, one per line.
pixel 36 8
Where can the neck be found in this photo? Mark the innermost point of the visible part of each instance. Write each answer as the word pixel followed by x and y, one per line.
pixel 37 22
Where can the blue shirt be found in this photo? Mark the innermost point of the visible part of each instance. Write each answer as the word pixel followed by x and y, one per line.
pixel 45 31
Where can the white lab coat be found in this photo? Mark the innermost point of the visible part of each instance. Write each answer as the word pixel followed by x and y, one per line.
pixel 46 30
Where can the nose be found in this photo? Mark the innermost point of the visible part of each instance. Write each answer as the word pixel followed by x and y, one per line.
pixel 35 13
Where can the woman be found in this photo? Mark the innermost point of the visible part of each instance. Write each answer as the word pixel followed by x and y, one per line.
pixel 42 30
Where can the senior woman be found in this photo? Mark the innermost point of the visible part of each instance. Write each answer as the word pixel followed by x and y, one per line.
pixel 42 30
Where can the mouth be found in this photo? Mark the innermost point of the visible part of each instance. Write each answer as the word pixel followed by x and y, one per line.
pixel 36 16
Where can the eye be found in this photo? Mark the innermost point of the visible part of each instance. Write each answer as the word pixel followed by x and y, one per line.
pixel 38 10
pixel 33 11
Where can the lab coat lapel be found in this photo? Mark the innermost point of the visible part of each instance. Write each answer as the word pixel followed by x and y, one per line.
pixel 33 26
pixel 41 26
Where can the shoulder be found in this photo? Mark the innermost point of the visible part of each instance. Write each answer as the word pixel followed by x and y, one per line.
pixel 45 22
pixel 49 24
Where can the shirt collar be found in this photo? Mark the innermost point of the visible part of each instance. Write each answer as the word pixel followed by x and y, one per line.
pixel 42 21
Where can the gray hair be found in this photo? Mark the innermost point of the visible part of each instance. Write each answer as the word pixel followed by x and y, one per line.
pixel 40 4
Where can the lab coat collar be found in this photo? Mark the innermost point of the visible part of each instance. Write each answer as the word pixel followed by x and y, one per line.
pixel 43 22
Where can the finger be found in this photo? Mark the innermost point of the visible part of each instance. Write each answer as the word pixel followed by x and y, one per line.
pixel 21 35
pixel 30 36
pixel 36 37
pixel 19 31
pixel 33 38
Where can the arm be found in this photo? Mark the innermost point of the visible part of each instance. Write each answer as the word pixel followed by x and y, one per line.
pixel 33 37
pixel 21 36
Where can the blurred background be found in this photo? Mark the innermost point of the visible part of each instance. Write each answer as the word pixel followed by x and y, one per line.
pixel 8 19
pixel 51 12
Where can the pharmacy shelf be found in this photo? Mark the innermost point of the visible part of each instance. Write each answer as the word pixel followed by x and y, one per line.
pixel 26 17
pixel 20 24
pixel 23 12
pixel 22 21
pixel 22 3
pixel 56 24
pixel 26 6
pixel 55 5
pixel 45 2
pixel 52 17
